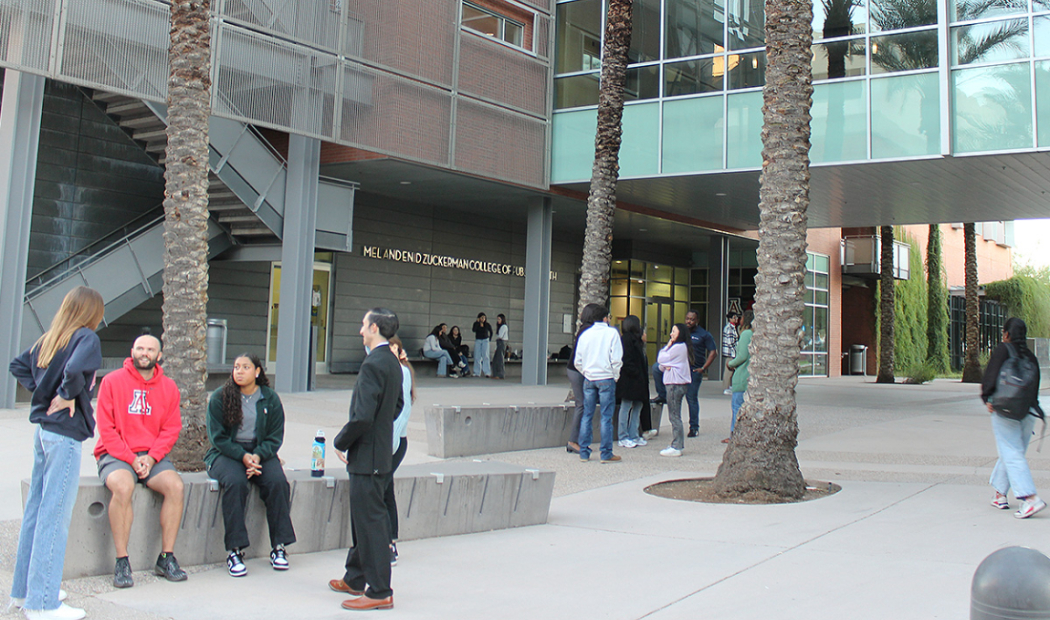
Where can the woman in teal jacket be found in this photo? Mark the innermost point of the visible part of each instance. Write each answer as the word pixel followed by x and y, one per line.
pixel 246 429
pixel 739 365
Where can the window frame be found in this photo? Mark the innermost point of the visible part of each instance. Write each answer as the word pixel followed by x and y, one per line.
pixel 502 20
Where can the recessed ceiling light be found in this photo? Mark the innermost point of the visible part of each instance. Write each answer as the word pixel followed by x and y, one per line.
pixel 720 194
pixel 406 182
pixel 643 230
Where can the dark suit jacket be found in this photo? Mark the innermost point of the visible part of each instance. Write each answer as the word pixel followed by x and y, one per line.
pixel 377 400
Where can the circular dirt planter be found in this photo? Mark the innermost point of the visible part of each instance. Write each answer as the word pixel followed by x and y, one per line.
pixel 702 490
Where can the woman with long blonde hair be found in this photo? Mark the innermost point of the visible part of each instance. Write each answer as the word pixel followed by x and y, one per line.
pixel 400 444
pixel 59 369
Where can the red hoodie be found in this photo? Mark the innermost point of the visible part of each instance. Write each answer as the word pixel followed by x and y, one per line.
pixel 134 415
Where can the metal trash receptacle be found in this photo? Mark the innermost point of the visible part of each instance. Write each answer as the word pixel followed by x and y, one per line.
pixel 858 359
pixel 216 341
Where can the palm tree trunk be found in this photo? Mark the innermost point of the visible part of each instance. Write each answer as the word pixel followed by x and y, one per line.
pixel 971 365
pixel 186 222
pixel 936 303
pixel 887 342
pixel 601 202
pixel 760 460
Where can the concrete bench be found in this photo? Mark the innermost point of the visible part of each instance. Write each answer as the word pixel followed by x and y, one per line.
pixel 436 499
pixel 466 431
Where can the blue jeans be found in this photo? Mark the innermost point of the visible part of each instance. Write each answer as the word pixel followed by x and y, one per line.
pixel 629 412
pixel 738 399
pixel 1011 470
pixel 658 379
pixel 481 358
pixel 692 399
pixel 602 393
pixel 443 358
pixel 45 523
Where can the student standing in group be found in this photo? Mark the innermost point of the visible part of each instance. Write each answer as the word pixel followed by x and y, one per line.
pixel 59 370
pixel 675 360
pixel 1011 471
pixel 246 429
pixel 500 358
pixel 598 357
pixel 366 438
pixel 588 317
pixel 703 353
pixel 400 447
pixel 730 336
pixel 740 366
pixel 482 334
pixel 138 423
pixel 633 386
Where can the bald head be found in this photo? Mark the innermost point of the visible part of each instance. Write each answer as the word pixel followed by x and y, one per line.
pixel 145 353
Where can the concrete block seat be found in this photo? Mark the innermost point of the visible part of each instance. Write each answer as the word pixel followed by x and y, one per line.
pixel 467 431
pixel 436 499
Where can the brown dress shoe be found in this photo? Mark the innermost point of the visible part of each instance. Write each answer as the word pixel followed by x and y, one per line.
pixel 340 586
pixel 612 459
pixel 363 603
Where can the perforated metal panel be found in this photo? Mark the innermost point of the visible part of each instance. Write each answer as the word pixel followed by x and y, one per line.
pixel 395 115
pixel 416 37
pixel 542 36
pixel 25 32
pixel 118 44
pixel 273 82
pixel 523 78
pixel 543 5
pixel 498 143
pixel 314 22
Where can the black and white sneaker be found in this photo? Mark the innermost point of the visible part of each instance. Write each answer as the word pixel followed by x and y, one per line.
pixel 122 573
pixel 393 554
pixel 278 558
pixel 235 564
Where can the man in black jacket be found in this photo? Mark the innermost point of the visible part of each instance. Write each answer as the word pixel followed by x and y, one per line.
pixel 366 439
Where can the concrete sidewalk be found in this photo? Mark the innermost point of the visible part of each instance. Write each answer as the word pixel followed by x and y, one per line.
pixel 902 539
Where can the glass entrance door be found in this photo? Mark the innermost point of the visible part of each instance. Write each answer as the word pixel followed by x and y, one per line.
pixel 319 307
pixel 659 317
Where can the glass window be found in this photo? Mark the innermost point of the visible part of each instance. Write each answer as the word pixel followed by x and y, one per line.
pixel 572 145
pixel 1042 99
pixel 746 24
pixel 658 273
pixel 579 36
pixel 904 52
pixel 990 42
pixel 640 153
pixel 645 31
pixel 839 125
pixel 964 10
pixel 492 24
pixel 693 27
pixel 900 14
pixel 691 77
pixel 992 110
pixel 698 277
pixel 747 70
pixel 1041 35
pixel 692 131
pixel 744 127
pixel 575 91
pixel 839 18
pixel 905 116
pixel 839 59
pixel 642 83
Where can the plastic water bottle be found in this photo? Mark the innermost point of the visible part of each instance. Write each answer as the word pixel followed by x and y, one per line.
pixel 317 462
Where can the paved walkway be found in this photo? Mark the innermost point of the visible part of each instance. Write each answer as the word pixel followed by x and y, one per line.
pixel 901 540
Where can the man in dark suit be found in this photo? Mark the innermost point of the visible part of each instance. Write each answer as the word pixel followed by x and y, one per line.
pixel 366 439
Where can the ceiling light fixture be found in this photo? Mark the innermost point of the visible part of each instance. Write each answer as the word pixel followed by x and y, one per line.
pixel 406 182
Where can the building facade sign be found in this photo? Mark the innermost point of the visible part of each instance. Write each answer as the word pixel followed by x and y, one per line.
pixel 438 260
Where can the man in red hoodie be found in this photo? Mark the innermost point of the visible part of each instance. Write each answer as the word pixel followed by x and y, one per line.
pixel 138 422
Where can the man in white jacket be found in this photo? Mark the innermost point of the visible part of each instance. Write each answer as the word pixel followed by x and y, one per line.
pixel 598 357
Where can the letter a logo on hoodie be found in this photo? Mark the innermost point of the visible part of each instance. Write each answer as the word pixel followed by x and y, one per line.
pixel 139 405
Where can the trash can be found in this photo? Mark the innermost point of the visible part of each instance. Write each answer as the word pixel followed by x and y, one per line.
pixel 858 359
pixel 216 340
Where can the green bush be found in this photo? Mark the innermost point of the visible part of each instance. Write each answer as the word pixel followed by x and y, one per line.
pixel 923 372
pixel 1027 296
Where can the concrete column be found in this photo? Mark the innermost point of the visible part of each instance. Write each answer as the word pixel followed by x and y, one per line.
pixel 20 111
pixel 297 264
pixel 537 293
pixel 718 296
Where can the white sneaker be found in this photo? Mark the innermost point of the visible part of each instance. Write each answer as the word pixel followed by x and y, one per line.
pixel 640 442
pixel 63 612
pixel 627 443
pixel 727 392
pixel 1029 507
pixel 670 451
pixel 650 434
pixel 21 602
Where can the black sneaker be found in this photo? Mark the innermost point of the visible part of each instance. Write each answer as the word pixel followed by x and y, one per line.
pixel 168 568
pixel 278 558
pixel 122 573
pixel 235 564
pixel 393 554
pixel 692 433
pixel 658 402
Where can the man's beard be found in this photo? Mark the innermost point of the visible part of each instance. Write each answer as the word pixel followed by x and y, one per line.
pixel 149 364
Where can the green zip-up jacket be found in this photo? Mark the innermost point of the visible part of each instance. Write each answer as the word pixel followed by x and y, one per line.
pixel 269 428
pixel 741 363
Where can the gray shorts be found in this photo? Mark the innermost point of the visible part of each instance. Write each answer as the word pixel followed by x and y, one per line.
pixel 108 464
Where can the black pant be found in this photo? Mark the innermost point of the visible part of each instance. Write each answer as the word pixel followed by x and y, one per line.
pixel 498 369
pixel 388 497
pixel 368 562
pixel 645 422
pixel 273 489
